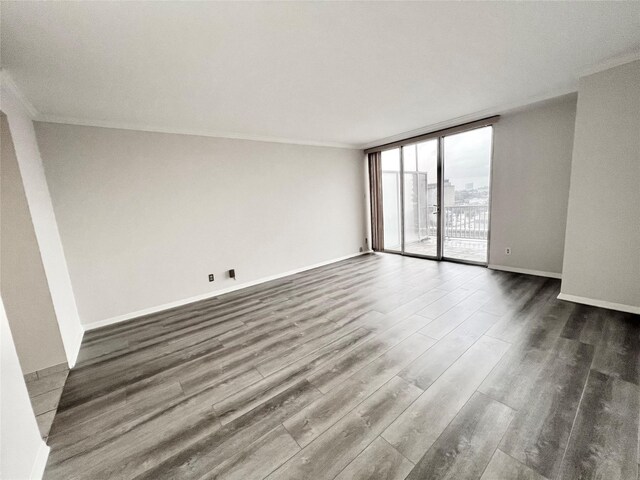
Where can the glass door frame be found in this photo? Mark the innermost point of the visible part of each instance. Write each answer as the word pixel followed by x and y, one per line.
pixel 441 225
pixel 439 201
pixel 440 136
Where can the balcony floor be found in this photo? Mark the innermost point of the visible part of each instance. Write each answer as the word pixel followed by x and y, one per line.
pixel 457 248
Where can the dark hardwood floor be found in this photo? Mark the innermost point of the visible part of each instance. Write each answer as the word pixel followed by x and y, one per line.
pixel 378 367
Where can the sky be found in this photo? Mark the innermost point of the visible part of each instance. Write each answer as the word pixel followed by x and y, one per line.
pixel 467 158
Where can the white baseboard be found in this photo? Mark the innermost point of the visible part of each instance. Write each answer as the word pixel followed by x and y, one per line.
pixel 621 307
pixel 42 455
pixel 538 273
pixel 216 293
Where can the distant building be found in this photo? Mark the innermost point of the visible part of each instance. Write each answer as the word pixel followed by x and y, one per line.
pixel 449 193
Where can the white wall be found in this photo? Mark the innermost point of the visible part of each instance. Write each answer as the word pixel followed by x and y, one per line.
pixel 145 217
pixel 530 186
pixel 23 283
pixel 23 453
pixel 602 249
pixel 44 220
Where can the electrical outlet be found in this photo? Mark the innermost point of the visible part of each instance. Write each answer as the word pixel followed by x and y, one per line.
pixel 211 277
pixel 507 251
pixel 361 249
pixel 232 273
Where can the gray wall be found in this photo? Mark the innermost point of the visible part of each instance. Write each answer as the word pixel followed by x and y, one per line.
pixel 145 217
pixel 530 185
pixel 602 249
pixel 23 283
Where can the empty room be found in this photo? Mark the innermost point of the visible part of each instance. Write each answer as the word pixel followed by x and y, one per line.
pixel 351 240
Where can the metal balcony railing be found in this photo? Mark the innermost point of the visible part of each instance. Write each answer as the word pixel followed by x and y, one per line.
pixel 464 221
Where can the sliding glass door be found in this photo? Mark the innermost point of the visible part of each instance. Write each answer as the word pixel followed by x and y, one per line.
pixel 392 204
pixel 435 196
pixel 467 167
pixel 420 162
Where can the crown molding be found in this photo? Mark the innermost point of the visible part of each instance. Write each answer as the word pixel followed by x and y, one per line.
pixel 8 82
pixel 199 133
pixel 472 117
pixel 179 131
pixel 35 115
pixel 611 62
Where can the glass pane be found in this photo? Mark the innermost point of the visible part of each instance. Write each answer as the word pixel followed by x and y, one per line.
pixel 390 160
pixel 390 163
pixel 467 164
pixel 420 199
pixel 409 158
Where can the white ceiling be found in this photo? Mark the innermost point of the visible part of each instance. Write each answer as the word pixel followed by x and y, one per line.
pixel 326 72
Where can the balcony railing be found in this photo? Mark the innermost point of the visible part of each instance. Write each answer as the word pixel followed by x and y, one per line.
pixel 465 221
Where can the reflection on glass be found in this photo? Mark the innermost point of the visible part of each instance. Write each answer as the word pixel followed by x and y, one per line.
pixel 390 163
pixel 467 163
pixel 420 198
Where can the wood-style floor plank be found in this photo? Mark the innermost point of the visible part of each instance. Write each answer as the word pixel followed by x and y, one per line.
pixel 585 324
pixel 618 351
pixel 367 368
pixel 516 323
pixel 450 319
pixel 429 366
pixel 604 439
pixel 503 467
pixel 445 303
pixel 321 414
pixel 466 446
pixel 417 429
pixel 332 451
pixel 343 367
pixel 540 431
pixel 511 381
pixel 258 459
pixel 199 454
pixel 256 394
pixel 380 461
